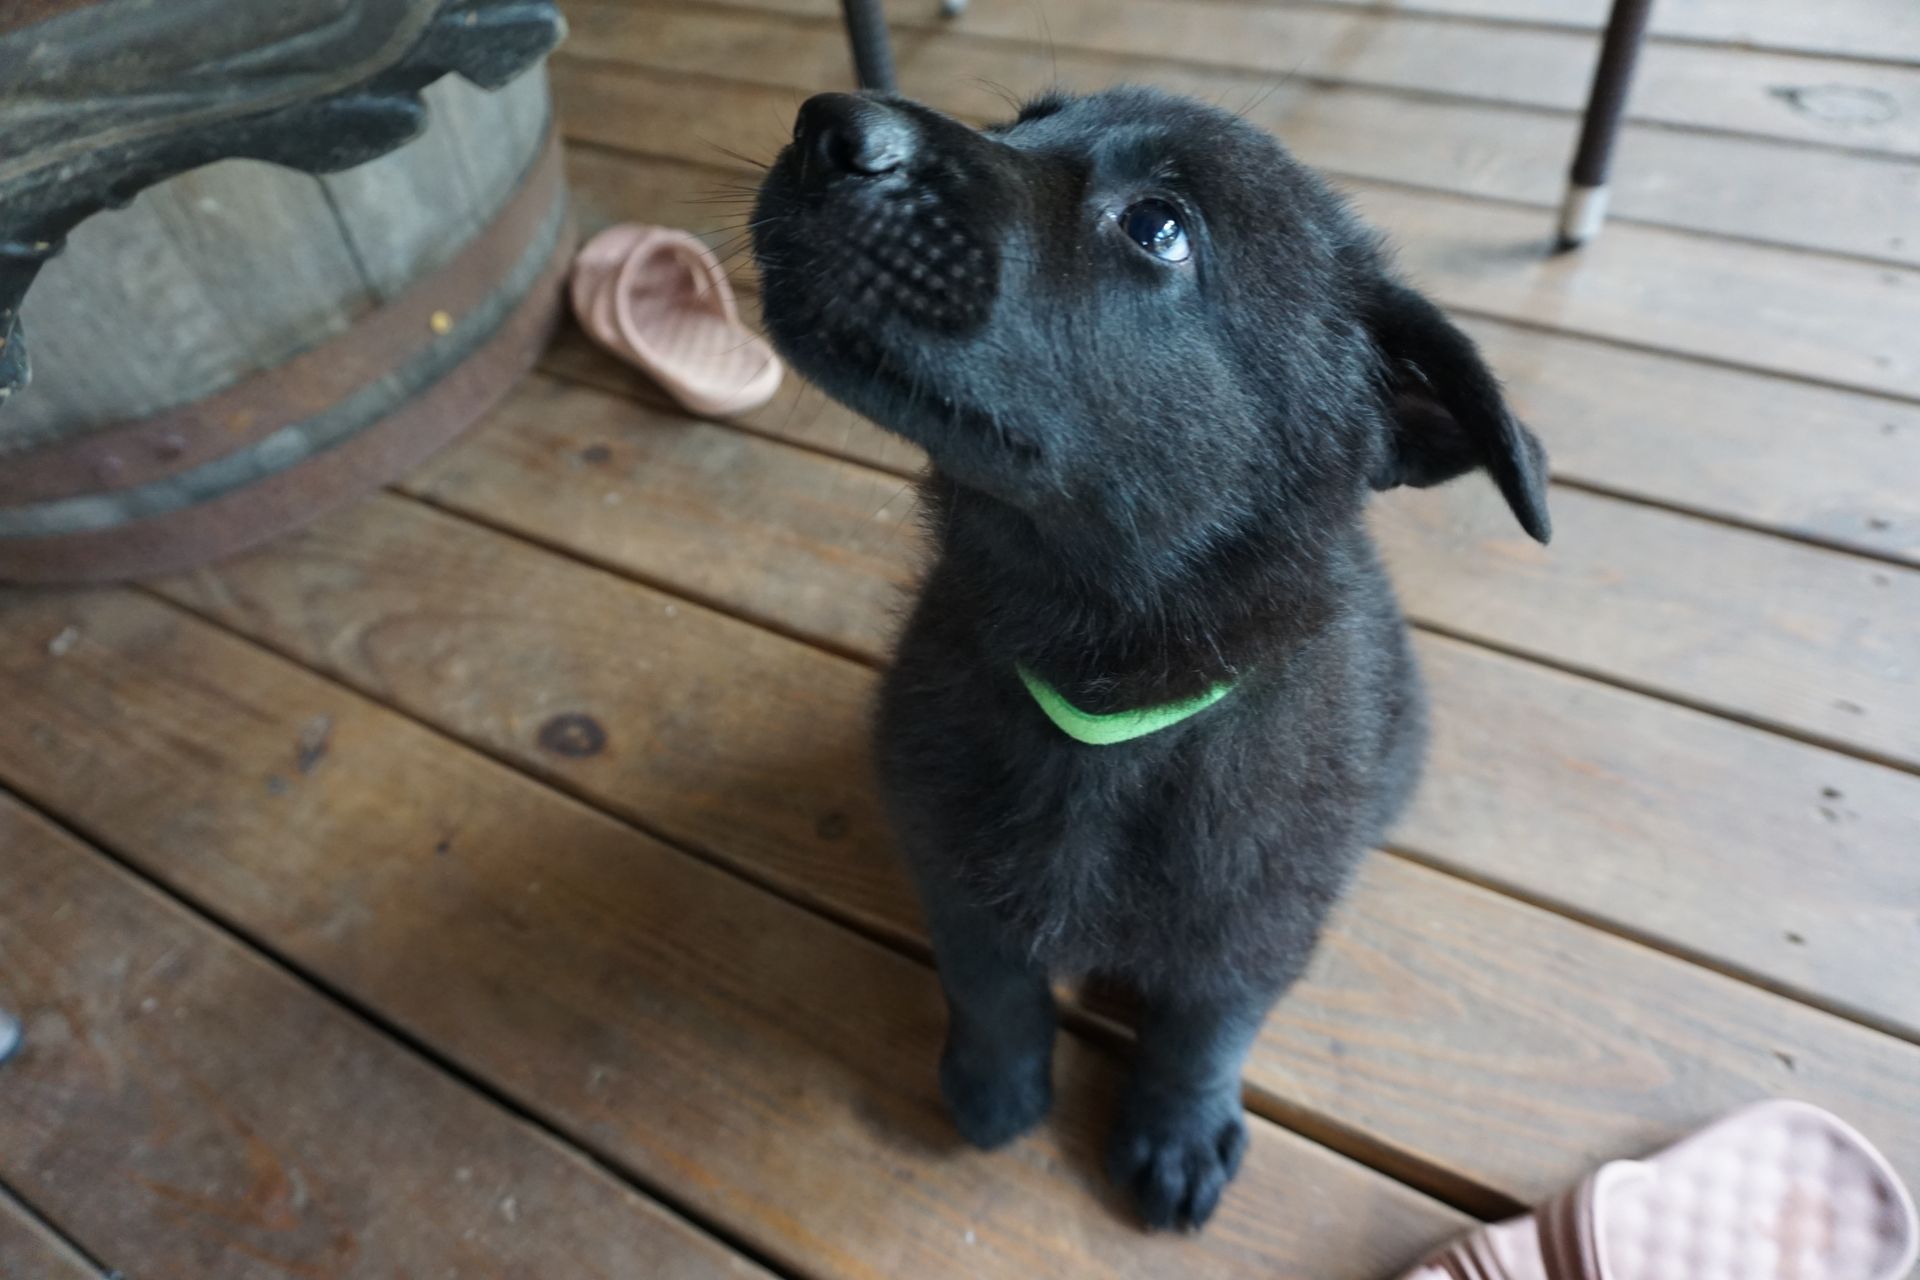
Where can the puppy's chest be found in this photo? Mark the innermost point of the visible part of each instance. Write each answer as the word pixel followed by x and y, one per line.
pixel 1089 850
pixel 1079 849
pixel 1094 856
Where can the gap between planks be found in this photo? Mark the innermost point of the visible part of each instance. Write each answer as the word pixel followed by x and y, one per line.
pixel 1839 746
pixel 562 372
pixel 1429 1177
pixel 1322 80
pixel 596 1158
pixel 910 945
pixel 39 1233
pixel 1656 33
pixel 1457 870
pixel 740 276
pixel 1749 720
pixel 1369 48
pixel 1410 1209
pixel 614 63
pixel 1325 1129
pixel 1499 149
pixel 732 165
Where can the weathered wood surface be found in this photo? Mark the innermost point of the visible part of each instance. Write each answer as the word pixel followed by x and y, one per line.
pixel 1817 461
pixel 1654 600
pixel 1794 637
pixel 1606 802
pixel 1868 29
pixel 1431 1006
pixel 1468 146
pixel 1810 462
pixel 814 546
pixel 1711 86
pixel 187 1109
pixel 772 1069
pixel 1751 305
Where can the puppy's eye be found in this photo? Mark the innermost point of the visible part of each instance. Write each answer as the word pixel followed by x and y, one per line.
pixel 1155 226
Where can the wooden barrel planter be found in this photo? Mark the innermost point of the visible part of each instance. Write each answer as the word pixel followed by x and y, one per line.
pixel 250 342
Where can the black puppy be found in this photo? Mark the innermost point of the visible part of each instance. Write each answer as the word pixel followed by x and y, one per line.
pixel 1156 696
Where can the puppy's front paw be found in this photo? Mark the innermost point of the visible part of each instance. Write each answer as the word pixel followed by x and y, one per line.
pixel 991 1106
pixel 1175 1155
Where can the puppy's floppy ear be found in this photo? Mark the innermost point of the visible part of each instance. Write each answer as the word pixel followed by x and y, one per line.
pixel 1447 413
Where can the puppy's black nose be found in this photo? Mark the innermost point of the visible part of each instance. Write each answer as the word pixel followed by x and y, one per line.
pixel 845 135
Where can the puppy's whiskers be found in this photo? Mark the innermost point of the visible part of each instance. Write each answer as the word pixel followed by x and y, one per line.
pixel 729 152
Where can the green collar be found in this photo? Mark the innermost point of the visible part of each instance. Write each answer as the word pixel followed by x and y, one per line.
pixel 1117 726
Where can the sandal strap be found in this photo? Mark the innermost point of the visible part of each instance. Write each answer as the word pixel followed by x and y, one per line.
pixel 1566 1227
pixel 1472 1259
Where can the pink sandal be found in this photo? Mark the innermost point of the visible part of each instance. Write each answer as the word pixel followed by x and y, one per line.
pixel 1776 1191
pixel 658 298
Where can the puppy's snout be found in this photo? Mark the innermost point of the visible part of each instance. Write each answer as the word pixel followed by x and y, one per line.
pixel 844 135
pixel 891 208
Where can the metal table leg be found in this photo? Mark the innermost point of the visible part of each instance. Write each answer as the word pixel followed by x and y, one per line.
pixel 1585 207
pixel 872 52
pixel 9 1034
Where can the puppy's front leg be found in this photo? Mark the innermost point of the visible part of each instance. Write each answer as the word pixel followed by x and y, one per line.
pixel 1181 1131
pixel 996 1072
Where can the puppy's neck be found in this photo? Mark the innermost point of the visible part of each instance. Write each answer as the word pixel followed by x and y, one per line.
pixel 1113 625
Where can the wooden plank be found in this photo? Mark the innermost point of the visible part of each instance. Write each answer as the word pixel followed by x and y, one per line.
pixel 606 188
pixel 686 503
pixel 1607 803
pixel 1465 147
pixel 1811 316
pixel 1499 1076
pixel 30 1251
pixel 1795 637
pixel 1660 601
pixel 1762 855
pixel 187 1109
pixel 1805 315
pixel 735 125
pixel 1869 29
pixel 772 1068
pixel 1816 462
pixel 798 414
pixel 1492 1035
pixel 1854 104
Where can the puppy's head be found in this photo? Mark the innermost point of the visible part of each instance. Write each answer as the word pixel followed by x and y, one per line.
pixel 1127 314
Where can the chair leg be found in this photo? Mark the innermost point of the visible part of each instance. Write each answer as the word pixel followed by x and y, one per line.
pixel 872 51
pixel 1585 207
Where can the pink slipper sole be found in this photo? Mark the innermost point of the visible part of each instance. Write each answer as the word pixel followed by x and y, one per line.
pixel 657 298
pixel 1776 1191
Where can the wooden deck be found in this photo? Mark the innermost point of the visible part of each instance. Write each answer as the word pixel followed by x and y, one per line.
pixel 487 882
